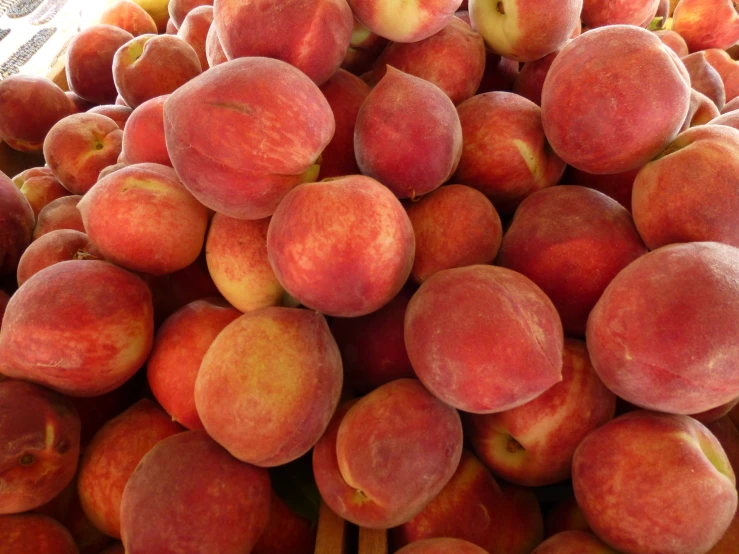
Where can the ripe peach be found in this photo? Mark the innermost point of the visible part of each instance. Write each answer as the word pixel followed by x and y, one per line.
pixel 441 546
pixel 706 24
pixel 213 49
pixel 77 104
pixel 54 247
pixel 179 9
pixel 574 541
pixel 702 110
pixel 143 135
pixel 674 41
pixel 598 13
pixel 404 21
pixel 364 48
pixel 129 16
pixel 16 224
pixel 119 114
pixel 530 80
pixel 616 185
pixel 704 78
pixel 40 187
pixel 194 31
pixel 58 214
pixel 26 533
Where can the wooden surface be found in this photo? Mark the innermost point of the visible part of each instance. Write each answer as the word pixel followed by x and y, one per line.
pixel 332 533
pixel 372 541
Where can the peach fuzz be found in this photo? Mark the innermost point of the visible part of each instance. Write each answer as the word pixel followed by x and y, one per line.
pixel 312 35
pixel 533 444
pixel 194 31
pixel 29 106
pixel 119 114
pixel 263 126
pixel 408 135
pixel 386 490
pixel 143 134
pixel 213 50
pixel 89 62
pixel 16 224
pixel 188 495
pixel 441 546
pixel 702 110
pixel 152 65
pixel 530 79
pixel 179 9
pixel 706 23
pixel 111 458
pixel 345 94
pixel 293 367
pixel 403 21
pixel 55 247
pixel 344 247
pixel 574 541
pixel 40 187
pixel 506 155
pixel 505 339
pixel 454 226
pixel 80 327
pixel 645 467
pixel 525 30
pixel 599 13
pixel 372 346
pixel 453 59
pixel 286 532
pixel 129 16
pixel 474 507
pixel 589 115
pixel 571 241
pixel 26 533
pixel 142 218
pixel 236 253
pixel 179 347
pixel 689 192
pixel 687 293
pixel 364 48
pixel 565 515
pixel 674 42
pixel 58 214
pixel 704 78
pixel 41 438
pixel 79 147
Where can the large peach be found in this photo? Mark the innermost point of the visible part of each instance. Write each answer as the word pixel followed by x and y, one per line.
pixel 29 106
pixel 119 114
pixel 180 345
pixel 441 546
pixel 506 155
pixel 598 13
pixel 143 135
pixel 111 458
pixel 616 120
pixel 194 31
pixel 189 495
pixel 404 21
pixel 386 456
pixel 262 125
pixel 58 214
pixel 503 341
pixel 674 300
pixel 706 23
pixel 343 247
pixel 16 224
pixel 704 78
pixel 142 218
pixel 40 434
pixel 54 247
pixel 651 482
pixel 26 533
pixel 40 187
pixel 179 9
pixel 79 327
pixel 89 62
pixel 129 16
pixel 574 541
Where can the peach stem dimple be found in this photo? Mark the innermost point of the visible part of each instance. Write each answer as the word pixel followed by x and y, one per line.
pixel 500 8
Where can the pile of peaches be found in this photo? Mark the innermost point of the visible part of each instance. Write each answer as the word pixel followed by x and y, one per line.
pixel 471 267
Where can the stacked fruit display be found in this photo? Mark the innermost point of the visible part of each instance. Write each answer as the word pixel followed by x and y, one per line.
pixel 425 263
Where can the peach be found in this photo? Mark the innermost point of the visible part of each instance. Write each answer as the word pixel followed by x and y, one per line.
pixel 79 327
pixel 343 247
pixel 525 30
pixel 500 73
pixel 387 455
pixel 54 247
pixel 571 241
pixel 530 80
pixel 474 507
pixel 574 541
pixel 372 346
pixel 345 94
pixel 674 42
pixel 180 9
pixel 598 13
pixel 58 214
pixel 453 59
pixel 674 300
pixel 79 147
pixel 566 515
pixel 179 347
pixel 730 119
pixel 189 495
pixel 29 106
pixel 16 224
pixel 41 444
pixel 286 532
pixel 613 121
pixel 77 104
pixel 129 16
pixel 702 110
pixel 110 169
pixel 704 78
pixel 142 218
pixel 454 226
pixel 263 125
pixel 119 101
pixel 294 367
pixel 143 137
pixel 727 68
pixel 706 24
pixel 194 31
pixel 689 192
pixel 730 106
pixel 504 342
pixel 89 62
pixel 533 444
pixel 96 411
pixel 364 48
pixel 152 65
pixel 403 21
pixel 113 455
pixel 408 135
pixel 312 35
pixel 709 416
pixel 213 50
pixel 119 114
pixel 25 533
pixel 645 467
pixel 506 155
pixel 171 28
pixel 40 187
pixel 728 435
pixel 617 185
pixel 236 253
pixel 441 546
pixel 158 10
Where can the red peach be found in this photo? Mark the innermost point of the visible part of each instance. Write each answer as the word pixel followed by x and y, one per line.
pixel 40 187
pixel 77 104
pixel 704 78
pixel 26 533
pixel 180 9
pixel 674 41
pixel 730 119
pixel 530 80
pixel 702 110
pixel 404 21
pixel 143 135
pixel 364 48
pixel 129 16
pixel 285 532
pixel 194 31
pixel 54 247
pixel 213 50
pixel 110 169
pixel 709 416
pixel 58 214
pixel 730 106
pixel 727 544
pixel 727 68
pixel 500 73
pixel 16 224
pixel 706 24
pixel 598 13
pixel 616 185
pixel 574 541
pixel 441 546
pixel 96 411
pixel 119 114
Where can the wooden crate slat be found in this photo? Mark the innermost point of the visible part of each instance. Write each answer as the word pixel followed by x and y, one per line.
pixel 332 533
pixel 372 541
